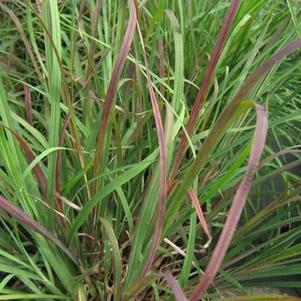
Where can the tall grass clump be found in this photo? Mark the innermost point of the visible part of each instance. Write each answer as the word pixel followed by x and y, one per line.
pixel 149 150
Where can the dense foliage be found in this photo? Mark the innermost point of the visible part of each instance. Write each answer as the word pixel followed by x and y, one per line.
pixel 150 150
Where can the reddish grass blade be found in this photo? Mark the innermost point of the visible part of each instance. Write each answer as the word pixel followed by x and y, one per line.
pixel 202 94
pixel 236 207
pixel 171 186
pixel 112 90
pixel 30 156
pixel 163 167
pixel 28 108
pixel 161 63
pixel 199 212
pixel 176 288
pixel 25 219
pixel 196 205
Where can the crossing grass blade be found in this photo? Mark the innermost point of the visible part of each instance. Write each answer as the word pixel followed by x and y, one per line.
pixel 231 112
pixel 30 156
pixel 109 188
pixel 203 91
pixel 7 207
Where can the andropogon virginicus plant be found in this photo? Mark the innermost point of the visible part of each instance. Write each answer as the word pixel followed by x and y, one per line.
pixel 149 150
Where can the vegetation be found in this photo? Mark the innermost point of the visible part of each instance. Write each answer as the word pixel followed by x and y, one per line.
pixel 149 150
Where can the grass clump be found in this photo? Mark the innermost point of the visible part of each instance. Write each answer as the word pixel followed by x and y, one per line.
pixel 149 150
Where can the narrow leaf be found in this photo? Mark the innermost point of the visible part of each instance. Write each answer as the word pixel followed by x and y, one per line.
pixel 237 205
pixel 28 107
pixel 163 167
pixel 54 76
pixel 199 212
pixel 58 168
pixel 176 288
pixel 116 256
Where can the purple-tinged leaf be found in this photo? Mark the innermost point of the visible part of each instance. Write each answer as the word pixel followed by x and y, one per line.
pixel 112 90
pixel 176 288
pixel 171 186
pixel 163 166
pixel 28 107
pixel 236 207
pixel 25 219
pixel 199 212
pixel 161 63
pixel 203 91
